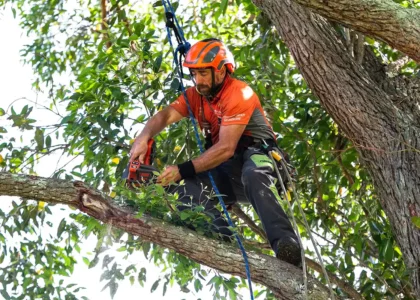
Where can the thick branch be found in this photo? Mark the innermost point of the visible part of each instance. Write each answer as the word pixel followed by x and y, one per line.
pixel 283 279
pixel 382 19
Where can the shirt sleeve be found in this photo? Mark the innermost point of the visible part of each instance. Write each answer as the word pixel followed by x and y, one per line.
pixel 180 105
pixel 240 106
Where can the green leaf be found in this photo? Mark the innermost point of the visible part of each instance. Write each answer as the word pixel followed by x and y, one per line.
pixel 185 289
pixel 165 287
pixel 5 294
pixel 61 227
pixel 154 286
pixel 113 287
pixel 39 138
pixel 48 142
pixel 133 37
pixel 24 110
pixel 146 248
pixel 223 6
pixel 2 112
pixel 348 260
pixel 94 262
pixel 416 221
pixel 157 63
pixel 104 124
pixel 86 261
pixel 106 275
pixel 232 294
pixel 388 251
pixel 384 251
pixel 122 249
pixel 106 261
pixel 175 84
pixel 197 285
pixel 142 276
pixel 185 215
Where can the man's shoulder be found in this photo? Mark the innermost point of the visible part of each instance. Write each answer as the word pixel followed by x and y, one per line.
pixel 192 93
pixel 237 83
pixel 238 86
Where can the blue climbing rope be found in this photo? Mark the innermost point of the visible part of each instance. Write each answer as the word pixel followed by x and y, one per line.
pixel 182 49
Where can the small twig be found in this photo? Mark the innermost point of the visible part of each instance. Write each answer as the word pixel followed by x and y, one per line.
pixel 344 170
pixel 345 286
pixel 104 24
pixel 359 50
pixel 238 211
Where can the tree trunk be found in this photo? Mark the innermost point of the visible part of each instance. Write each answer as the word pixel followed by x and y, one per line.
pixel 383 19
pixel 283 279
pixel 386 134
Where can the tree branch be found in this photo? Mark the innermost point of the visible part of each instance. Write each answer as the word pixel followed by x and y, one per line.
pixel 345 286
pixel 283 279
pixel 382 19
pixel 238 211
pixel 104 23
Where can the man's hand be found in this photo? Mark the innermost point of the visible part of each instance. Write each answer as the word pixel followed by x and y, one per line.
pixel 169 175
pixel 155 125
pixel 139 149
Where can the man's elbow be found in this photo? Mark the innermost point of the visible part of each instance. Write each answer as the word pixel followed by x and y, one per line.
pixel 228 152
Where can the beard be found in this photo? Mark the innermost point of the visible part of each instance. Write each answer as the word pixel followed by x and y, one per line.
pixel 203 89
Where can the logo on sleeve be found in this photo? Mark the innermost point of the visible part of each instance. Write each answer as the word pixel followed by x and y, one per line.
pixel 237 117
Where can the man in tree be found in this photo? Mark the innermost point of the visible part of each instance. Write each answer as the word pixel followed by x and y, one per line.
pixel 233 121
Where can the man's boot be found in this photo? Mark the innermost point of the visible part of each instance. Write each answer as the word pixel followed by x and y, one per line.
pixel 288 250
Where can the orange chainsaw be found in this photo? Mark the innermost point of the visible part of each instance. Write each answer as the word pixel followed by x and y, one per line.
pixel 138 174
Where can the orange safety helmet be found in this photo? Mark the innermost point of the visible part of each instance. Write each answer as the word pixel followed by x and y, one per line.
pixel 209 53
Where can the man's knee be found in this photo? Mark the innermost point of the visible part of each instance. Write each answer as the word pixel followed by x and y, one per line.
pixel 251 175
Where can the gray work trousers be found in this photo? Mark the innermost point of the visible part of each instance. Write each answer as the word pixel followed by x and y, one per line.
pixel 248 177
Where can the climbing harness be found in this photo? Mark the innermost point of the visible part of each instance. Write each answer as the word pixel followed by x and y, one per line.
pixel 179 53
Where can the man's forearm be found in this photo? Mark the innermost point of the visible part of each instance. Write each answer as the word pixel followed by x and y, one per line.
pixel 155 125
pixel 213 157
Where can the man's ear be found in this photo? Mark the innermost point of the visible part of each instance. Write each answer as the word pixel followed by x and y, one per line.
pixel 223 71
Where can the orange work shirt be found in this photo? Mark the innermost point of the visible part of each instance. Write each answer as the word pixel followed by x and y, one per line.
pixel 235 104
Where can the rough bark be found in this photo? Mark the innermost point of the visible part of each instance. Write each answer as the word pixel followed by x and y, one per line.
pixel 283 279
pixel 386 134
pixel 382 19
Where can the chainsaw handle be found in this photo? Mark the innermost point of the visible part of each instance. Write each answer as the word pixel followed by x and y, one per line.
pixel 140 173
pixel 148 157
pixel 141 150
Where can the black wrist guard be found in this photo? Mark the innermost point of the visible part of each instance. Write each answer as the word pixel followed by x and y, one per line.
pixel 186 169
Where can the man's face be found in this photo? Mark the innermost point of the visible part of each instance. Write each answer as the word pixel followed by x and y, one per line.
pixel 203 79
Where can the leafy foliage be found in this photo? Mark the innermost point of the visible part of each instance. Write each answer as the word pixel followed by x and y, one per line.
pixel 118 72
